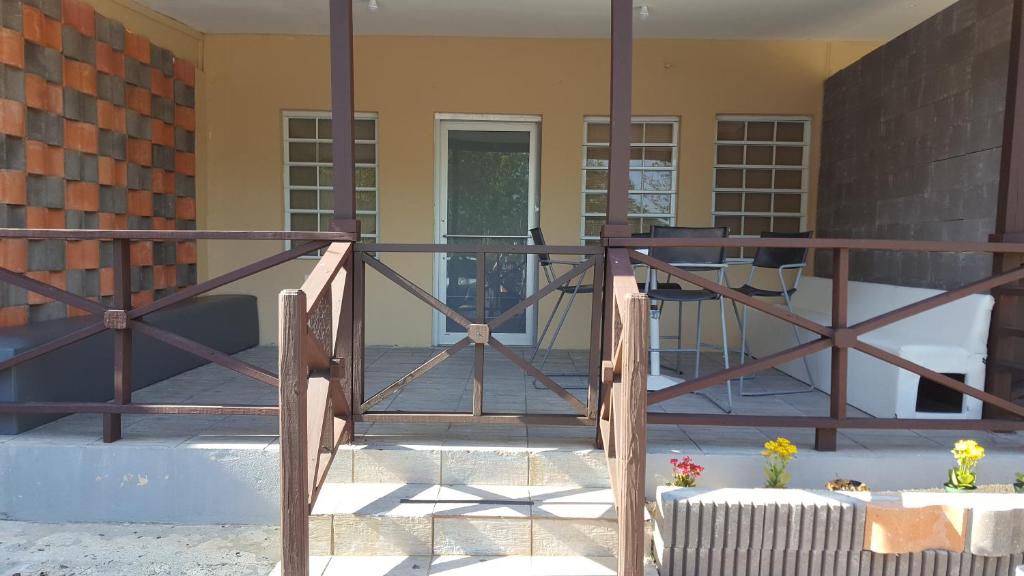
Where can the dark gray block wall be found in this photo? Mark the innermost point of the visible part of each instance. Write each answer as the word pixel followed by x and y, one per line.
pixel 911 144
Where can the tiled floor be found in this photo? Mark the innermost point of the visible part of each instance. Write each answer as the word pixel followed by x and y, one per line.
pixel 506 390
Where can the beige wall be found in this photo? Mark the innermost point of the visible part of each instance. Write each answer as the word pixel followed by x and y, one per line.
pixel 250 80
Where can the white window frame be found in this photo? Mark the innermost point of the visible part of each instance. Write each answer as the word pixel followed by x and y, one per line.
pixel 287 163
pixel 804 189
pixel 673 170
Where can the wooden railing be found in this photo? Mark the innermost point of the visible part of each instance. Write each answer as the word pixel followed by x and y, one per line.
pixel 315 355
pixel 123 319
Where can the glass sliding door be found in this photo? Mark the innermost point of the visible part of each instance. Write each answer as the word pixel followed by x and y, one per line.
pixel 487 174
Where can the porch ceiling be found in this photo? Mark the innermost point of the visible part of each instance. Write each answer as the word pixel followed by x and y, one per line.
pixel 769 19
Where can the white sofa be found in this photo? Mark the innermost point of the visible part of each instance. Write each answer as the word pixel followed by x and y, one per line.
pixel 951 339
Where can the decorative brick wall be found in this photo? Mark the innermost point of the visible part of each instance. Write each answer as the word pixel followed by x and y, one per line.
pixel 97 130
pixel 911 144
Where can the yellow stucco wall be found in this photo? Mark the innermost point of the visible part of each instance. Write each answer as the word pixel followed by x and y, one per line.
pixel 250 80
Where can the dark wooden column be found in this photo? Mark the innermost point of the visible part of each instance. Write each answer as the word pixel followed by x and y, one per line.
pixel 1006 339
pixel 343 110
pixel 620 118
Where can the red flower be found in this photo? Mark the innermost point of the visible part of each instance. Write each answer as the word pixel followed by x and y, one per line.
pixel 686 467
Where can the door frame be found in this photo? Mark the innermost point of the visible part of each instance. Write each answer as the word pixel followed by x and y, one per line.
pixel 508 122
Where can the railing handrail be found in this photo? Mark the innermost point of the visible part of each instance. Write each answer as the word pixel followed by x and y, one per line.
pixel 819 243
pixel 171 235
pixel 480 248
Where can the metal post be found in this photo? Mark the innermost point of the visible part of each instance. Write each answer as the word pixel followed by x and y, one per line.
pixel 620 119
pixel 122 339
pixel 343 112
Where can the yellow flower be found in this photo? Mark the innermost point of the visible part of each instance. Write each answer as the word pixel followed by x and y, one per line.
pixel 968 450
pixel 780 447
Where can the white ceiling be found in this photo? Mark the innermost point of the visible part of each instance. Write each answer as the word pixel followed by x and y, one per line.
pixel 819 19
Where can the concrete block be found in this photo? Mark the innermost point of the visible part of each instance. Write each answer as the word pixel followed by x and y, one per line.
pixel 566 537
pixel 996 532
pixel 398 465
pixel 341 468
pixel 485 466
pixel 569 468
pixel 382 535
pixel 482 536
pixel 567 502
pixel 321 535
pixel 488 501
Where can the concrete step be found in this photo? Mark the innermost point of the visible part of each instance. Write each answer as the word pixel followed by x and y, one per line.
pixel 380 519
pixel 463 566
pixel 483 465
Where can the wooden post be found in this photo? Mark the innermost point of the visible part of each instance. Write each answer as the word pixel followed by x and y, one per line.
pixel 481 318
pixel 342 113
pixel 358 330
pixel 620 119
pixel 294 465
pixel 122 339
pixel 596 339
pixel 630 407
pixel 1004 345
pixel 826 439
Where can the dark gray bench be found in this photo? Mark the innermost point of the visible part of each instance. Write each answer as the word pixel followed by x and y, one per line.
pixel 84 371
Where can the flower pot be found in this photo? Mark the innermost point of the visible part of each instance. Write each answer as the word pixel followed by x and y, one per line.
pixel 1018 487
pixel 950 488
pixel 844 485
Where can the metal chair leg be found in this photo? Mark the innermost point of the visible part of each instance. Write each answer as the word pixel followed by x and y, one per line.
pixel 725 350
pixel 796 335
pixel 679 341
pixel 696 369
pixel 544 332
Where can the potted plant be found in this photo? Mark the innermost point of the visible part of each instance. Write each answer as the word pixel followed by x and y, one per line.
pixel 845 485
pixel 963 478
pixel 1018 486
pixel 685 472
pixel 778 453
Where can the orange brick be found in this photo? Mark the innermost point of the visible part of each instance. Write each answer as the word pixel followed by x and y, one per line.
pixel 140 152
pixel 33 25
pixel 110 117
pixel 163 223
pixel 137 47
pixel 106 170
pixel 139 99
pixel 891 528
pixel 185 71
pixel 108 60
pixel 12 187
pixel 142 253
pixel 45 278
pixel 185 162
pixel 12 48
pixel 106 221
pixel 164 277
pixel 81 136
pixel 106 280
pixel 120 222
pixel 12 118
pixel 162 133
pixel 35 157
pixel 140 203
pixel 35 92
pixel 54 161
pixel 82 255
pixel 121 174
pixel 163 182
pixel 83 196
pixel 185 253
pixel 81 76
pixel 142 298
pixel 11 316
pixel 54 99
pixel 185 118
pixel 14 254
pixel 75 312
pixel 80 16
pixel 161 85
pixel 40 218
pixel 53 36
pixel 185 208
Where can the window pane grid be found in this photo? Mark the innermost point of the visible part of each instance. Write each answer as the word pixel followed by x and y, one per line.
pixel 760 175
pixel 652 174
pixel 308 177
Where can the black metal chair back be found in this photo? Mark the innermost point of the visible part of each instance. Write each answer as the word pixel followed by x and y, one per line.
pixel 779 257
pixel 538 240
pixel 676 255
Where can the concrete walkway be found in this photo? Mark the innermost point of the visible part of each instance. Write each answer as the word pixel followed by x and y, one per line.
pixel 29 549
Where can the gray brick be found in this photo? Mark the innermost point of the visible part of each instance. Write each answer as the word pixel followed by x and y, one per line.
pixel 72 164
pixel 44 127
pixel 184 141
pixel 142 278
pixel 113 200
pixel 113 144
pixel 48 311
pixel 140 223
pixel 45 62
pixel 106 253
pixel 184 95
pixel 78 47
pixel 163 205
pixel 110 31
pixel 90 171
pixel 74 219
pixel 163 157
pixel 136 73
pixel 79 106
pixel 12 83
pixel 45 255
pixel 45 191
pixel 163 108
pixel 161 59
pixel 185 185
pixel 137 125
pixel 51 8
pixel 11 295
pixel 10 14
pixel 185 224
pixel 12 216
pixel 84 282
pixel 164 253
pixel 139 177
pixel 162 292
pixel 110 88
pixel 186 274
pixel 12 152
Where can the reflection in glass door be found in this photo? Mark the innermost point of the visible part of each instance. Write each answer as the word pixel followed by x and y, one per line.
pixel 486 195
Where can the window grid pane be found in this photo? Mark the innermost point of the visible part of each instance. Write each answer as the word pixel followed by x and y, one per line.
pixel 652 175
pixel 760 174
pixel 309 177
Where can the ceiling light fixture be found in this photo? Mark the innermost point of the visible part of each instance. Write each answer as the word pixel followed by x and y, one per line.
pixel 373 5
